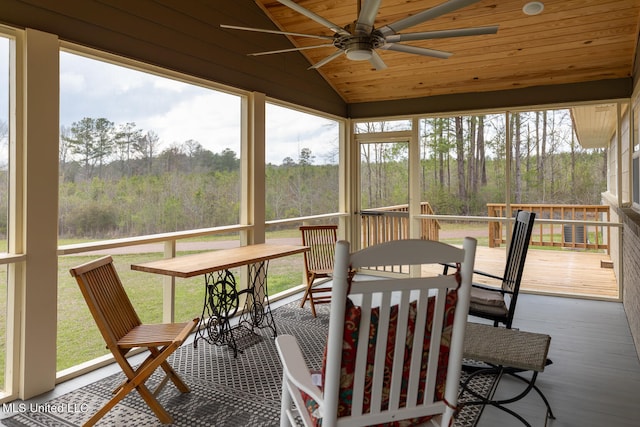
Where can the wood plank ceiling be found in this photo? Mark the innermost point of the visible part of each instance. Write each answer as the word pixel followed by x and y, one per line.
pixel 570 41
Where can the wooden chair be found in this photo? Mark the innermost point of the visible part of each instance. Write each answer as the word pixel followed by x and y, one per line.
pixel 499 304
pixel 394 348
pixel 318 262
pixel 122 331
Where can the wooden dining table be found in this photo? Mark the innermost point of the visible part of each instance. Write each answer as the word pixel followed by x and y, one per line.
pixel 222 297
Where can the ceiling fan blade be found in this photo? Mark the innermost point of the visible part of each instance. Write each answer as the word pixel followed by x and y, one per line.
pixel 319 19
pixel 425 15
pixel 325 60
pixel 285 33
pixel 294 49
pixel 416 50
pixel 377 61
pixel 367 16
pixel 429 35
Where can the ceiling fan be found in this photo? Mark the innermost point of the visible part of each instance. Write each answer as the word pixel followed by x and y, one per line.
pixel 360 39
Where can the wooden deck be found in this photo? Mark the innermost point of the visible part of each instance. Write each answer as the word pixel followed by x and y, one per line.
pixel 572 273
pixel 557 272
pixel 569 273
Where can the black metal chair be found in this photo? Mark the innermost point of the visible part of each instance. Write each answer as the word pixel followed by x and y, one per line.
pixel 499 304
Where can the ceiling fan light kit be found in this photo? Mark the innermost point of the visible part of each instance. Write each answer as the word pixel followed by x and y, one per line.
pixel 359 54
pixel 360 39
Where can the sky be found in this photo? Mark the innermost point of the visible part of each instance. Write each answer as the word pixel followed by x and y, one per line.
pixel 4 78
pixel 174 110
pixel 178 111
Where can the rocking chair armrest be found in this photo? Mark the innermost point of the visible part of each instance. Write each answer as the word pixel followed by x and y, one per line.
pixel 447 266
pixel 491 288
pixel 481 273
pixel 295 368
pixel 489 275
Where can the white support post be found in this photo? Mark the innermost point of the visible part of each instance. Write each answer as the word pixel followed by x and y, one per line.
pixel 39 294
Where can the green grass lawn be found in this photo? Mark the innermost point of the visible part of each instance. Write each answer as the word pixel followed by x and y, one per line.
pixel 79 339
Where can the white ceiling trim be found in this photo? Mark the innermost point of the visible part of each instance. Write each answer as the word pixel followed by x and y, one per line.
pixel 595 125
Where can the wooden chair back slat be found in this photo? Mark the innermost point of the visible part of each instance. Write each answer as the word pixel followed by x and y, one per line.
pixel 122 330
pixel 321 240
pixel 318 262
pixel 107 299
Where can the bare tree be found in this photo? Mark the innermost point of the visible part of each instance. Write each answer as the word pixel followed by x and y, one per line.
pixel 459 135
pixel 516 143
pixel 104 136
pixel 472 177
pixel 82 142
pixel 126 139
pixel 63 151
pixel 147 147
pixel 481 154
pixel 541 117
pixel 4 143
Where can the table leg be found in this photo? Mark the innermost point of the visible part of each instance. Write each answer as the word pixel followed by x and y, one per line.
pixel 221 303
pixel 257 313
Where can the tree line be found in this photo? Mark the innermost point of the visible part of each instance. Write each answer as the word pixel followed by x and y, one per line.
pixel 463 161
pixel 117 180
pixel 547 163
pixel 97 147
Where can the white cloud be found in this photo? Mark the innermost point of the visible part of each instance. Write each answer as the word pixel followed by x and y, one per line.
pixel 168 84
pixel 72 82
pixel 179 111
pixel 101 78
pixel 212 118
pixel 4 79
pixel 289 131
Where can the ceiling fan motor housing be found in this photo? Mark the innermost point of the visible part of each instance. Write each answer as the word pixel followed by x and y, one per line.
pixel 358 47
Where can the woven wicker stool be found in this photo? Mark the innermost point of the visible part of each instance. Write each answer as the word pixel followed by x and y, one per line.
pixel 507 351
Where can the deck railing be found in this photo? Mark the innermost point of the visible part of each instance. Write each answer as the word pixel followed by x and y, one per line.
pixel 392 223
pixel 572 226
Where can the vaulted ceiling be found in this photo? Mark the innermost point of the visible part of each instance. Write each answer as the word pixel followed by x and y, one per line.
pixel 569 41
pixel 575 50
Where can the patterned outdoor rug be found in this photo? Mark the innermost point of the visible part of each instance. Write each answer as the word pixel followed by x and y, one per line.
pixel 225 392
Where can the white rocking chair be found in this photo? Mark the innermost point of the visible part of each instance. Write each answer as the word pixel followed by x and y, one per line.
pixel 394 349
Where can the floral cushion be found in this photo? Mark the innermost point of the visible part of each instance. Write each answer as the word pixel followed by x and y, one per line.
pixel 350 342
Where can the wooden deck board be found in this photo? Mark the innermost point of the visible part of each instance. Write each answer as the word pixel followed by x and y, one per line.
pixel 555 272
